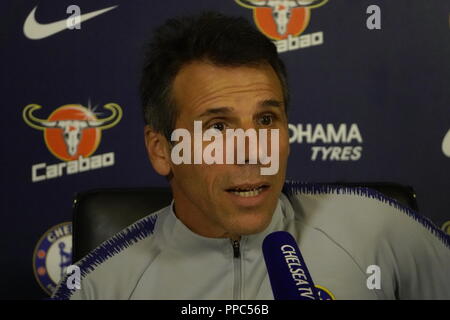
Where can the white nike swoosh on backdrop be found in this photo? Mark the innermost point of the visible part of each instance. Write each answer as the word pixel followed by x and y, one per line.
pixel 446 144
pixel 35 30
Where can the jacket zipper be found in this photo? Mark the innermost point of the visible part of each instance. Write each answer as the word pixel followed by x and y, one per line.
pixel 236 249
pixel 237 270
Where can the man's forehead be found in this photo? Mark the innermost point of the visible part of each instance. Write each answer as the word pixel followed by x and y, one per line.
pixel 202 83
pixel 225 110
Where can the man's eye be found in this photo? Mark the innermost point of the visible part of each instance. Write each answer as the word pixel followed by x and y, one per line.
pixel 218 126
pixel 266 120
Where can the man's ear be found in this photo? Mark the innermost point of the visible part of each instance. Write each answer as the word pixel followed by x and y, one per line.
pixel 158 151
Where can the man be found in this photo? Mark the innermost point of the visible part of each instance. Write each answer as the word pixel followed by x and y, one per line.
pixel 207 243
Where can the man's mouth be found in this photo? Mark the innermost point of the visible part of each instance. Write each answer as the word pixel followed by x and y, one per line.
pixel 247 191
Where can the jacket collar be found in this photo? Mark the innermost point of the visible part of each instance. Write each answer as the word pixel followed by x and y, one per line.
pixel 180 237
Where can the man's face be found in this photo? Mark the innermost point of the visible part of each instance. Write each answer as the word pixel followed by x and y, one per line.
pixel 209 199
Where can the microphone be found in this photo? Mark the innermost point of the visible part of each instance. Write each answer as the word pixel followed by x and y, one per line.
pixel 288 274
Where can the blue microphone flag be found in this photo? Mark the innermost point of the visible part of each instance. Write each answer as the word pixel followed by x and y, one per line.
pixel 288 274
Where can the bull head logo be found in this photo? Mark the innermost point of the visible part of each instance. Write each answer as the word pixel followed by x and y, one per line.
pixel 72 129
pixel 281 9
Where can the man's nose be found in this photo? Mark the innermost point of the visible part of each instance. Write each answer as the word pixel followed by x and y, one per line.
pixel 250 143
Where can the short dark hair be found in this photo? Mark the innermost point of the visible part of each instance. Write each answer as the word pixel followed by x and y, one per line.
pixel 211 36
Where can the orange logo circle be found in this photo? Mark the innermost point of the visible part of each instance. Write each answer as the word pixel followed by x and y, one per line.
pixel 73 137
pixel 72 131
pixel 280 24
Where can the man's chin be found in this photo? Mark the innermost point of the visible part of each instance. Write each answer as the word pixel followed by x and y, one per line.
pixel 249 224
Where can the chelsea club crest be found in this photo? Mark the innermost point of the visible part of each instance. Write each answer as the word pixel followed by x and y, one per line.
pixel 52 256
